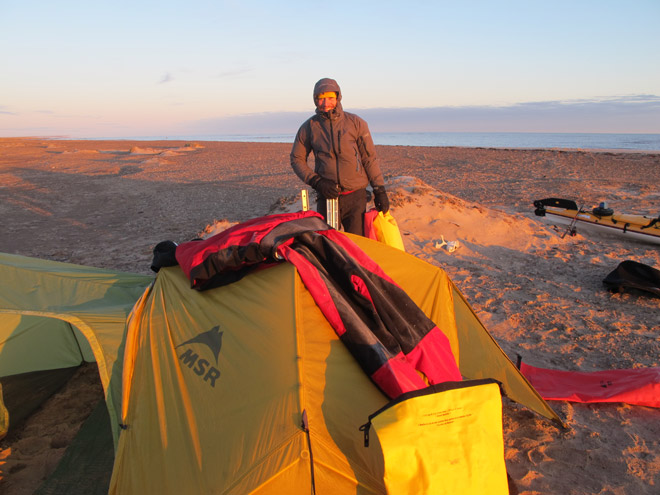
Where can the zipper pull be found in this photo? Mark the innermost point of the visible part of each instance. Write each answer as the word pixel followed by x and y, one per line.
pixel 365 428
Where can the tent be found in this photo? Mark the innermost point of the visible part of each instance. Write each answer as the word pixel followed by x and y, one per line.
pixel 239 389
pixel 54 316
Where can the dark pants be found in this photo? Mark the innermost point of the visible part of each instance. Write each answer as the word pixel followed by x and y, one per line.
pixel 351 210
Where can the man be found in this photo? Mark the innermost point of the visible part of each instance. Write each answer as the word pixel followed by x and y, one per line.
pixel 345 159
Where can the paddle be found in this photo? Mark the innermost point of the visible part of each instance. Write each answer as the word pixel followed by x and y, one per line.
pixel 571 226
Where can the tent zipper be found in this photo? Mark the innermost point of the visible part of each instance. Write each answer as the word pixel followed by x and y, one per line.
pixel 365 429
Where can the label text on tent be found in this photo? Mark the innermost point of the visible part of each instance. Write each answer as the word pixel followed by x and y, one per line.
pixel 201 367
pixel 211 339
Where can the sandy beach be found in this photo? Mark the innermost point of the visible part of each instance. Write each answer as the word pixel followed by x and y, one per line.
pixel 108 203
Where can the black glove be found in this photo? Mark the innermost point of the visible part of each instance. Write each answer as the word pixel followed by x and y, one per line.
pixel 381 201
pixel 326 188
pixel 164 255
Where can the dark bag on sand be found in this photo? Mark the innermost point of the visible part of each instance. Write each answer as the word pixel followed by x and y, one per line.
pixel 633 275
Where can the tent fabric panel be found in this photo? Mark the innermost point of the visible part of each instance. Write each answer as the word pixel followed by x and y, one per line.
pixel 329 480
pixel 338 397
pixel 122 372
pixel 487 360
pixel 34 284
pixel 84 345
pixel 292 474
pixel 103 337
pixel 72 271
pixel 285 470
pixel 184 408
pixel 33 343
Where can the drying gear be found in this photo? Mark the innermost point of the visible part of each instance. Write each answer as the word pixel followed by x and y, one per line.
pixel 391 338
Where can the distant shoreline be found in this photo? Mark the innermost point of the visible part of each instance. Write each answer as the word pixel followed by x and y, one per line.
pixel 269 140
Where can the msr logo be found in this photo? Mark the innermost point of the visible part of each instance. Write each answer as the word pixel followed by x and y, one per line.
pixel 202 367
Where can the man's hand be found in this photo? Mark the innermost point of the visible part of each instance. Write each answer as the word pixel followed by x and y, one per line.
pixel 327 188
pixel 381 201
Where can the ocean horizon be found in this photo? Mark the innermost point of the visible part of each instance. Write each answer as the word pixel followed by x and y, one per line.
pixel 515 140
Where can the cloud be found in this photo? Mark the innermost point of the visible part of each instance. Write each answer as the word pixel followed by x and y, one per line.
pixel 626 99
pixel 167 77
pixel 636 113
pixel 628 113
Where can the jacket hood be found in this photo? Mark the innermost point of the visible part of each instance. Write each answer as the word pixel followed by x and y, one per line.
pixel 326 84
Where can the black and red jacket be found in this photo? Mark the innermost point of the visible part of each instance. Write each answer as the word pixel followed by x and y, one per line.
pixel 382 327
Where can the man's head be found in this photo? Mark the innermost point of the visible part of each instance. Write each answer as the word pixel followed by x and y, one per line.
pixel 326 94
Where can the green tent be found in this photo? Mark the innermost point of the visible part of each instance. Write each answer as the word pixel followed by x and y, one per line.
pixel 55 316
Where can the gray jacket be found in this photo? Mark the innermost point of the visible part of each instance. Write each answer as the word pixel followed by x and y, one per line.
pixel 344 151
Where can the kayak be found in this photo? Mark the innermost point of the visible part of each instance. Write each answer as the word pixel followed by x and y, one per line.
pixel 599 219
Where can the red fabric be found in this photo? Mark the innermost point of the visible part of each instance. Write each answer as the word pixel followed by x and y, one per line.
pixel 361 287
pixel 191 254
pixel 316 287
pixel 433 357
pixel 369 230
pixel 397 377
pixel 632 386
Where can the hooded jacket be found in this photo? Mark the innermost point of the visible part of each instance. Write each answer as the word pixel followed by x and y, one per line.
pixel 344 151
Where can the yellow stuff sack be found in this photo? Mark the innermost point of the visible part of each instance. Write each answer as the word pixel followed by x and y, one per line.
pixel 387 230
pixel 444 439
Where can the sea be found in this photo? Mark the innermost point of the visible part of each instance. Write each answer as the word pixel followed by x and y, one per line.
pixel 516 140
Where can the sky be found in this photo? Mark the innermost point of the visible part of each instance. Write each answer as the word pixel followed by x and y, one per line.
pixel 115 68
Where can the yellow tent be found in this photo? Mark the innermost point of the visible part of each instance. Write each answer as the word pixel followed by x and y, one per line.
pixel 246 388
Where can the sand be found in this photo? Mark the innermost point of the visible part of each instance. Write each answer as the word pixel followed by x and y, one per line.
pixel 107 203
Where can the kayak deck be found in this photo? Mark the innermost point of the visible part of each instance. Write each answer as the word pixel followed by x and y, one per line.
pixel 601 218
